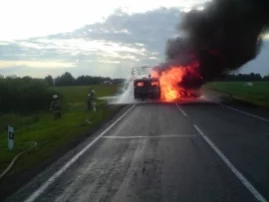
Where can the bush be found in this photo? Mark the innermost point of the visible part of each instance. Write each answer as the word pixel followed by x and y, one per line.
pixel 24 95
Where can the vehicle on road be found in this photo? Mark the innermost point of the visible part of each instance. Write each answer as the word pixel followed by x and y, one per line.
pixel 147 88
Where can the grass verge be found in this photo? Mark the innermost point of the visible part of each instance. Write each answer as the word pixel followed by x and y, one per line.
pixel 257 94
pixel 51 135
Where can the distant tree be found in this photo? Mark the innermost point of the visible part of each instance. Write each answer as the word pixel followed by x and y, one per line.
pixel 24 95
pixel 65 80
pixel 12 76
pixel 243 77
pixel 117 81
pixel 49 80
pixel 266 78
pixel 95 80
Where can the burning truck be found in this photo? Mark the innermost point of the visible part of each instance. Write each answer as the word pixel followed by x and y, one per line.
pixel 209 44
pixel 147 88
pixel 171 81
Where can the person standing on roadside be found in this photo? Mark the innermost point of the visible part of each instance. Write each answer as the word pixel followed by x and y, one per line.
pixel 55 107
pixel 90 100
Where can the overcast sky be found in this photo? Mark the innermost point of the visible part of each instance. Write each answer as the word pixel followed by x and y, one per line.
pixel 38 38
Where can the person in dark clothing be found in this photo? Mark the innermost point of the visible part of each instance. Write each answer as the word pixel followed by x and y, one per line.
pixel 55 107
pixel 90 100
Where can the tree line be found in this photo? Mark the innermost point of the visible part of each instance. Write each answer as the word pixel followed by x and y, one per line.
pixel 245 77
pixel 67 79
pixel 26 95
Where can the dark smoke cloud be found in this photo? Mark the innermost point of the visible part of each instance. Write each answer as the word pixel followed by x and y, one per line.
pixel 223 36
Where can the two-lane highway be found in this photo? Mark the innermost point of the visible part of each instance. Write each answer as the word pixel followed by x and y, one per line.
pixel 158 153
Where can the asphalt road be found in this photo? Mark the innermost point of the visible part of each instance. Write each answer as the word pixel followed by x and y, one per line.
pixel 161 153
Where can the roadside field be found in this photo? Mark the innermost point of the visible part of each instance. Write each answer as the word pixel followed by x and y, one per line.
pixel 51 135
pixel 258 93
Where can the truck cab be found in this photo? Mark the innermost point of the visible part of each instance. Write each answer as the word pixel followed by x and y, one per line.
pixel 147 88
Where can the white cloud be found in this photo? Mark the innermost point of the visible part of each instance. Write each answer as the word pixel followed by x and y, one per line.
pixel 266 36
pixel 32 18
pixel 30 45
pixel 76 46
pixel 153 58
pixel 123 43
pixel 35 64
pixel 260 63
pixel 109 61
pixel 4 43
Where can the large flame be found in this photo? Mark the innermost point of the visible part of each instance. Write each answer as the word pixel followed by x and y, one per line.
pixel 170 80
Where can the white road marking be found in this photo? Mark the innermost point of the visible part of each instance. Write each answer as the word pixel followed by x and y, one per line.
pixel 148 136
pixel 180 109
pixel 244 181
pixel 243 112
pixel 246 113
pixel 56 175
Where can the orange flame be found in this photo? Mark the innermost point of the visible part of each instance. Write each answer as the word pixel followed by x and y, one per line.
pixel 154 74
pixel 170 79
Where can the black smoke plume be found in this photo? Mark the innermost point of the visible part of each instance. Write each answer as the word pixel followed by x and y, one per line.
pixel 223 36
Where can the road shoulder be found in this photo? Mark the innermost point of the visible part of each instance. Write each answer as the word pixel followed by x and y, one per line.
pixel 224 100
pixel 12 185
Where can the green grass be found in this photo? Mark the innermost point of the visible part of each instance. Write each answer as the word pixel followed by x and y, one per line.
pixel 257 94
pixel 51 134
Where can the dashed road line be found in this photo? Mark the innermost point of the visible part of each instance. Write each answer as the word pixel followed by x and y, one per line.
pixel 149 136
pixel 181 110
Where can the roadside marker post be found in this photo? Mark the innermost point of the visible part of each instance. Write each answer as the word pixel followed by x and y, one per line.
pixel 10 138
